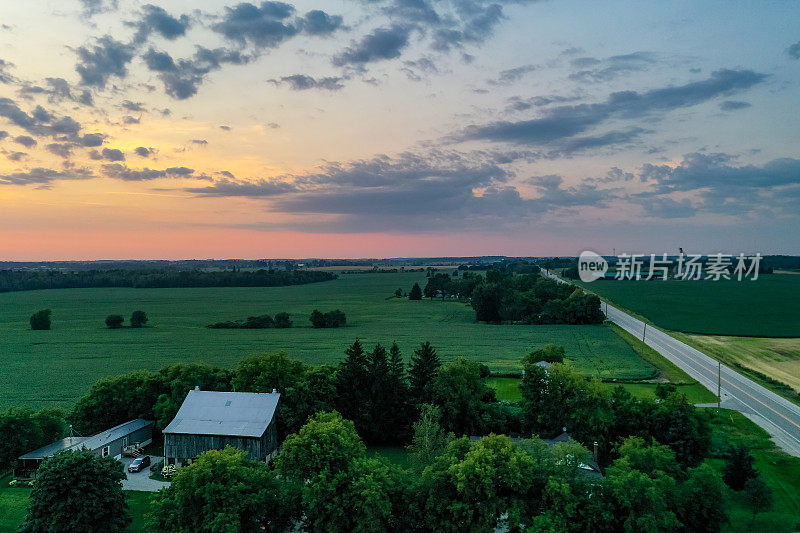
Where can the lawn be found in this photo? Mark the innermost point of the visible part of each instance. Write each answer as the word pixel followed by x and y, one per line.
pixel 14 506
pixel 56 367
pixel 766 307
pixel 780 471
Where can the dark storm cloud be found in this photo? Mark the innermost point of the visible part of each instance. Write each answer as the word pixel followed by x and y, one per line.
pixel 60 149
pixel 102 60
pixel 44 176
pixel 302 82
pixel 25 140
pixel 155 19
pixel 182 78
pixel 264 26
pixel 507 77
pixel 122 172
pixel 382 43
pixel 592 70
pixel 562 122
pixel 794 50
pixel 317 22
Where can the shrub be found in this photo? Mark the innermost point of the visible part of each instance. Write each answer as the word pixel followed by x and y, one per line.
pixel 114 321
pixel 138 319
pixel 40 320
pixel 282 320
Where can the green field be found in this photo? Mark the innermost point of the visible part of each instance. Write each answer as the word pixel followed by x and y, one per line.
pixel 766 307
pixel 57 366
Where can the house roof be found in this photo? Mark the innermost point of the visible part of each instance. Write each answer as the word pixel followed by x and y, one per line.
pixel 95 442
pixel 236 414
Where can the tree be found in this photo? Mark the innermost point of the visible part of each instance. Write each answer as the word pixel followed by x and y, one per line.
pixel 24 429
pixel 398 293
pixel 758 496
pixel 486 300
pixel 352 385
pixel 551 353
pixel 378 424
pixel 461 393
pixel 400 414
pixel 225 491
pixel 429 438
pixel 78 491
pixel 114 321
pixel 335 318
pixel 416 292
pixel 425 365
pixel 738 468
pixel 701 500
pixel 317 319
pixel 282 320
pixel 138 319
pixel 40 320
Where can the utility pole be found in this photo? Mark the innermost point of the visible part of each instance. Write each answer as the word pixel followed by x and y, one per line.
pixel 644 331
pixel 719 385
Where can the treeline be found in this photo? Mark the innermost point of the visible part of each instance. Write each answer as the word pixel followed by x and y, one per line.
pixel 23 280
pixel 505 297
pixel 281 320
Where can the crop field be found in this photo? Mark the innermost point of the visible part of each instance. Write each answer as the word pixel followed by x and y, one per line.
pixel 777 358
pixel 57 366
pixel 766 307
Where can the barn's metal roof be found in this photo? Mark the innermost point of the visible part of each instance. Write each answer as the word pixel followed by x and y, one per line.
pixel 95 442
pixel 235 414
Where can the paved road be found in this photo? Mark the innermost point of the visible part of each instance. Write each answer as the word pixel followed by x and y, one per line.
pixel 777 415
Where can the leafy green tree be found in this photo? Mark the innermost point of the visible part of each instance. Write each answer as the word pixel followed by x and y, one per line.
pixel 415 293
pixel 424 367
pixel 317 319
pixel 757 495
pixel 429 438
pixel 353 385
pixel 551 353
pixel 398 293
pixel 138 319
pixel 463 396
pixel 487 300
pixel 314 393
pixel 335 318
pixel 78 491
pixel 176 382
pixel 282 320
pixel 25 430
pixel 40 320
pixel 114 321
pixel 738 468
pixel 701 500
pixel 225 491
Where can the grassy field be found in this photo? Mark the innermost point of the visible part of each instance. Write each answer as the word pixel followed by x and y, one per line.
pixel 14 507
pixel 766 307
pixel 57 366
pixel 777 358
pixel 779 470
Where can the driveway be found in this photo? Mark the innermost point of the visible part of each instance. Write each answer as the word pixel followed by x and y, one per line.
pixel 141 480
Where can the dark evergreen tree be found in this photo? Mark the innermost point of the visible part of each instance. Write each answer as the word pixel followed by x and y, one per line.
pixel 416 292
pixel 353 385
pixel 424 367
pixel 378 423
pixel 738 468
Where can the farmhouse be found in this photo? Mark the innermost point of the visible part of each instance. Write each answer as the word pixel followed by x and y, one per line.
pixel 111 442
pixel 209 420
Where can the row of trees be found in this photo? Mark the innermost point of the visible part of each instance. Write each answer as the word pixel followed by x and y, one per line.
pixel 24 280
pixel 331 319
pixel 281 320
pixel 138 320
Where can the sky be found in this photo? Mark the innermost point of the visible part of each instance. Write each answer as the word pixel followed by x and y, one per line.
pixel 394 128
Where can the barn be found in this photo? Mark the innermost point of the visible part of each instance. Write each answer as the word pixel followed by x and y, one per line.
pixel 210 420
pixel 109 442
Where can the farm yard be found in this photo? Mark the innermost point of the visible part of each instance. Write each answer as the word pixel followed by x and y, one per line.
pixel 56 367
pixel 766 307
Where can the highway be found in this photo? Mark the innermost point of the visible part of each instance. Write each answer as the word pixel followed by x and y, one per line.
pixel 775 414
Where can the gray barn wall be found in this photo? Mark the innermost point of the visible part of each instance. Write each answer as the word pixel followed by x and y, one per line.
pixel 185 447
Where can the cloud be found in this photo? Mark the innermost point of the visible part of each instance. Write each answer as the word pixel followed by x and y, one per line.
pixel 44 176
pixel 381 44
pixel 593 70
pixel 122 172
pixel 94 7
pixel 302 82
pixel 130 120
pixel 228 187
pixel 182 78
pixel 133 106
pixel 507 77
pixel 143 151
pixel 263 26
pixel 113 154
pixel 156 20
pixel 14 156
pixel 794 50
pixel 25 140
pixel 225 128
pixel 92 139
pixel 733 105
pixel 317 22
pixel 5 77
pixel 562 122
pixel 60 149
pixel 3 134
pixel 102 60
pixel 474 23
pixel 39 122
pixel 201 142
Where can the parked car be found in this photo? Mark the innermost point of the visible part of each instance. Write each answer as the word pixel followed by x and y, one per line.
pixel 139 463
